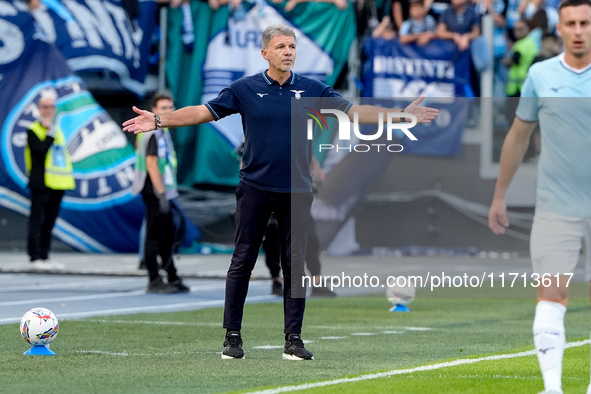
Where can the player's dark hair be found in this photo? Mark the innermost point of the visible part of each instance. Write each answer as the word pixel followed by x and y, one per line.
pixel 572 3
pixel 160 96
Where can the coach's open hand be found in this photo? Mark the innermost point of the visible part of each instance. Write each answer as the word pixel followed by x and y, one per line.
pixel 423 114
pixel 141 123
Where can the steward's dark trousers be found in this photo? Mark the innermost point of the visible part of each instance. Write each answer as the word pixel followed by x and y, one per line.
pixel 253 209
pixel 45 208
pixel 159 239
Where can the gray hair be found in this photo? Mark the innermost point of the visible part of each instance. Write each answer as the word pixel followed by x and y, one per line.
pixel 276 30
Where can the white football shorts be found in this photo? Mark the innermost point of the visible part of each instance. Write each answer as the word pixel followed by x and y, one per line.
pixel 556 241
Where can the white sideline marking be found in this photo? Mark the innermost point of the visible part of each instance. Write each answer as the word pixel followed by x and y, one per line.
pixel 75 298
pixel 194 289
pixel 333 337
pixel 417 328
pixel 148 308
pixel 125 354
pixel 55 284
pixel 107 353
pixel 166 323
pixel 460 361
pixel 392 332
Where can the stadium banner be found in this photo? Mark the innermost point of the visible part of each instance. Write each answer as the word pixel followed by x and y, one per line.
pixel 97 35
pixel 395 70
pixel 228 48
pixel 438 71
pixel 101 214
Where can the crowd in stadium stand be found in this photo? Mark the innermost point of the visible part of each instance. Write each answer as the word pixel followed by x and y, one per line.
pixel 524 30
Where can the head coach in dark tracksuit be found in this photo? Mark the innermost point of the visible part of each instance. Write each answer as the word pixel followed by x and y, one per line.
pixel 275 176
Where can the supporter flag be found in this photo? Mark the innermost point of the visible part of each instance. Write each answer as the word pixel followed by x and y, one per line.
pixel 99 36
pixel 100 215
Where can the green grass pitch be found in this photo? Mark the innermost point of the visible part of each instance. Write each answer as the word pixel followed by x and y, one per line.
pixel 350 337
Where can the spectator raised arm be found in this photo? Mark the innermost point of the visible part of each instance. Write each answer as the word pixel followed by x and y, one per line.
pixel 385 29
pixel 400 12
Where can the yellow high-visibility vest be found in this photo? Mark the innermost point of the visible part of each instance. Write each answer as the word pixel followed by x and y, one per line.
pixel 58 167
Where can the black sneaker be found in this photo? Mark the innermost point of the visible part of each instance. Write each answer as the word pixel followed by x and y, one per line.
pixel 277 288
pixel 232 346
pixel 322 292
pixel 158 286
pixel 295 350
pixel 180 286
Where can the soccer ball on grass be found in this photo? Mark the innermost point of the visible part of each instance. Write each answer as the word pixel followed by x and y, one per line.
pixel 39 326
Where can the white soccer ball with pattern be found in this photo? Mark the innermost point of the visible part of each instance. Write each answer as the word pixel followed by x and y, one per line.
pixel 39 326
pixel 401 295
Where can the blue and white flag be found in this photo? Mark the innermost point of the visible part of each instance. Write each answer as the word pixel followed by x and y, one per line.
pixel 97 35
pixel 101 214
pixel 395 70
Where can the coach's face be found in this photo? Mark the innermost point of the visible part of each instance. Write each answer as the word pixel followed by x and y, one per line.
pixel 280 53
pixel 574 27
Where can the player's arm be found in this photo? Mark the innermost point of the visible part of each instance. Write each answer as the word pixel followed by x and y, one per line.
pixel 512 153
pixel 369 114
pixel 145 121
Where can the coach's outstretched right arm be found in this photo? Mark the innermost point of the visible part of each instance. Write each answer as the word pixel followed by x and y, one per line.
pixel 147 121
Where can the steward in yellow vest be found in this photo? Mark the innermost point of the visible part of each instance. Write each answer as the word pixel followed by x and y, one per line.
pixel 56 165
pixel 50 173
